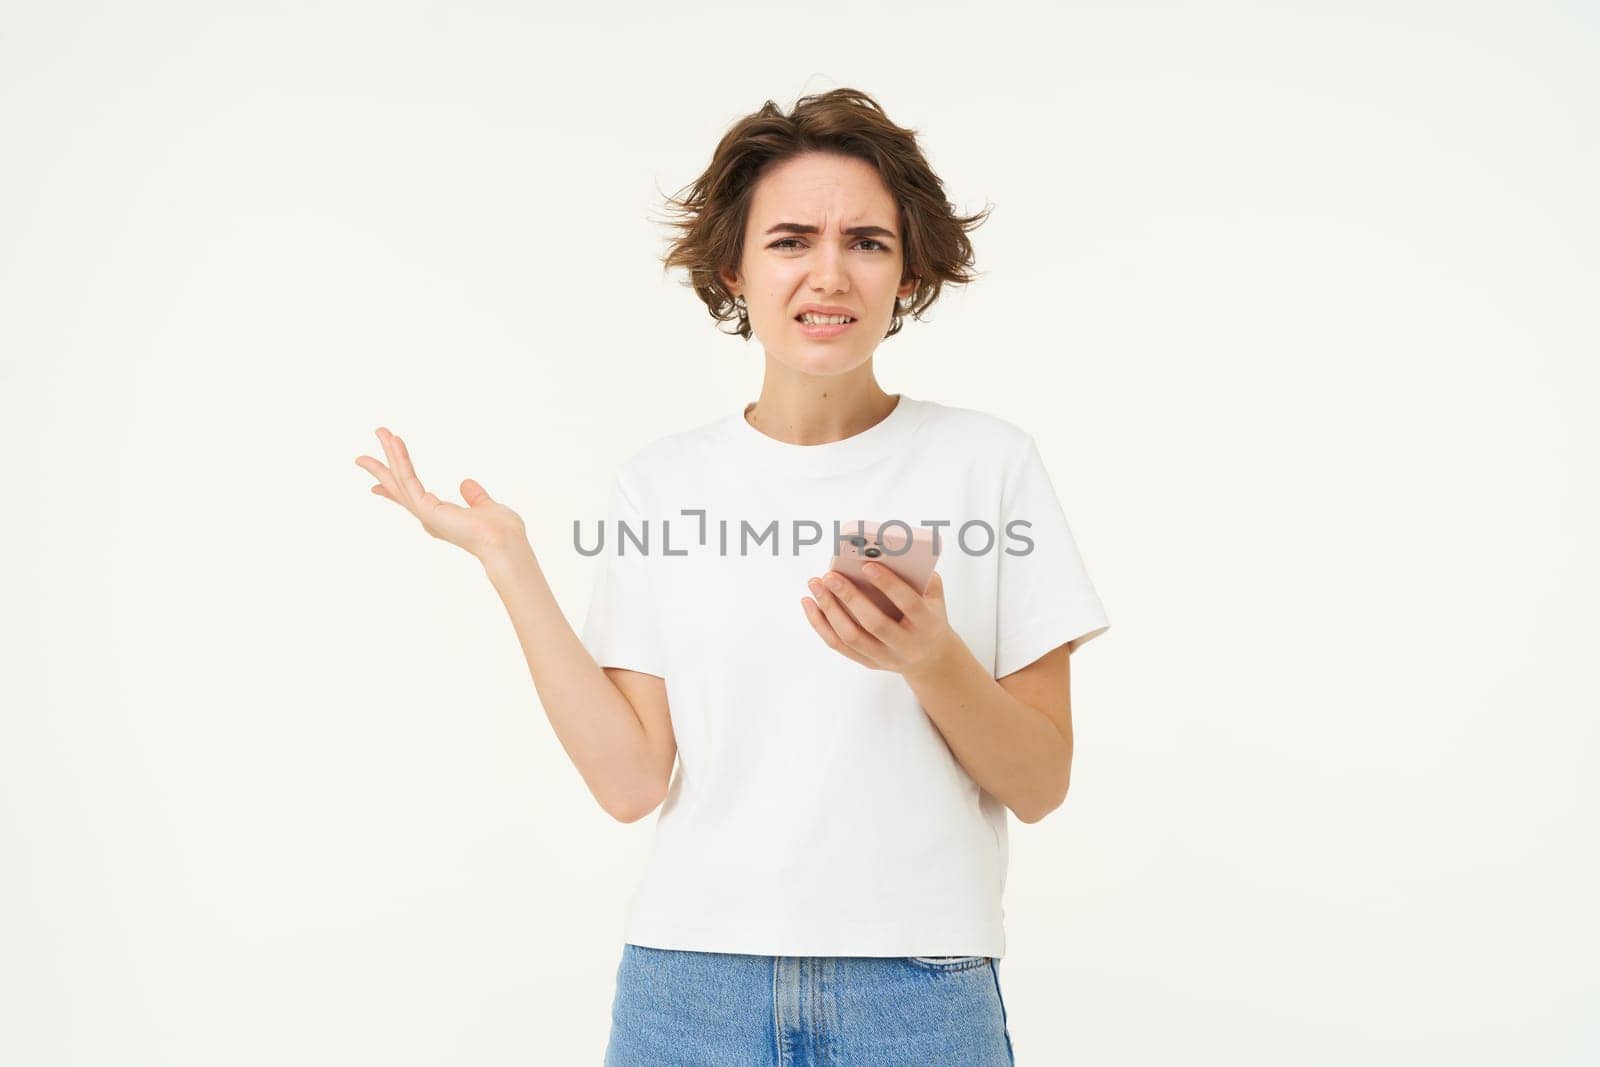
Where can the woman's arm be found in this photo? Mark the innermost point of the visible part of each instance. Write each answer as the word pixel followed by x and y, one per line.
pixel 625 765
pixel 1013 736
pixel 615 727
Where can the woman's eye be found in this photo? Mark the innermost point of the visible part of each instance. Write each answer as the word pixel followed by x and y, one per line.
pixel 793 241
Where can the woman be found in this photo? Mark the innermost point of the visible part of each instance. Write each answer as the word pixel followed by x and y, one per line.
pixel 828 864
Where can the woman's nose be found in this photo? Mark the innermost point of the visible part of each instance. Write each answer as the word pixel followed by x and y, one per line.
pixel 827 270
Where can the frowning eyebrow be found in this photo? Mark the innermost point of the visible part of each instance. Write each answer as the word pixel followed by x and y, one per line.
pixel 854 231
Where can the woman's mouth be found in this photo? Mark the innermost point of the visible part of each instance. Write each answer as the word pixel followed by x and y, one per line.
pixel 823 326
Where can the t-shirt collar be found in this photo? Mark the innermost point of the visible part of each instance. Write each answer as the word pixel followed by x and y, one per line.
pixel 852 453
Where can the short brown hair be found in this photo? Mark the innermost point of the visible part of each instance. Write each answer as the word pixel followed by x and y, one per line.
pixel 714 209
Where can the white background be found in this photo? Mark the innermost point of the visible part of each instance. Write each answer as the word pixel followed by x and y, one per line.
pixel 1297 299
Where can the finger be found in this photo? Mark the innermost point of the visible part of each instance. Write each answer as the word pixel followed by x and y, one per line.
pixel 864 611
pixel 407 473
pixel 473 493
pixel 819 622
pixel 896 588
pixel 380 472
pixel 844 623
pixel 397 484
pixel 381 491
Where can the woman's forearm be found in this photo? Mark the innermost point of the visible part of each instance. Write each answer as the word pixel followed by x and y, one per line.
pixel 599 729
pixel 1012 750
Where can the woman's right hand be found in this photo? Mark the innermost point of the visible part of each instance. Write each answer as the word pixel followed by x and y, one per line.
pixel 482 527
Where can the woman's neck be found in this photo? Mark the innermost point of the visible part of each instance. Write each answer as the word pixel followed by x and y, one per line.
pixel 820 415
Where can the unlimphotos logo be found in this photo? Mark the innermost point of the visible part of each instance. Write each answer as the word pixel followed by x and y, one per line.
pixel 974 537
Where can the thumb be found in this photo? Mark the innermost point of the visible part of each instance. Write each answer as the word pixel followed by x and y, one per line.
pixel 473 493
pixel 935 587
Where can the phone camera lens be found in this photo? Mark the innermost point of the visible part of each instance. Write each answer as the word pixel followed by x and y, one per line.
pixel 858 541
pixel 874 552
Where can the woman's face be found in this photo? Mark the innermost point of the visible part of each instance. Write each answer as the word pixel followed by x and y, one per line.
pixel 797 252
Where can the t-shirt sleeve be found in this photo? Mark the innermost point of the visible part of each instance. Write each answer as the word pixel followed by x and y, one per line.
pixel 1045 596
pixel 621 629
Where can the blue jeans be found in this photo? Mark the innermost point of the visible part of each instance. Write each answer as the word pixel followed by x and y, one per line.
pixel 709 1009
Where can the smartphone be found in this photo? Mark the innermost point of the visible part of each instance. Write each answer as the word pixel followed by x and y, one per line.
pixel 913 558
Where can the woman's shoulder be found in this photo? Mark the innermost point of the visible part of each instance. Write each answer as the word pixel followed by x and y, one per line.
pixel 973 429
pixel 676 451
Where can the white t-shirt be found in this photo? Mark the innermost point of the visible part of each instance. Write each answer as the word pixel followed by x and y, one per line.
pixel 815 809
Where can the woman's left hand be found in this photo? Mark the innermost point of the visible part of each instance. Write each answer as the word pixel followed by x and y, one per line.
pixel 852 625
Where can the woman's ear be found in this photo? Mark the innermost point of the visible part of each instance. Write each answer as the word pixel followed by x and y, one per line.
pixel 730 280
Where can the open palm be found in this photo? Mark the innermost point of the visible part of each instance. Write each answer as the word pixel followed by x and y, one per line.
pixel 484 525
